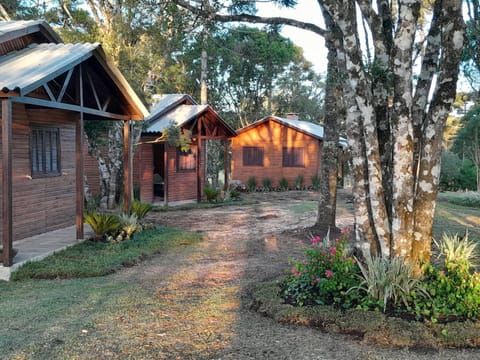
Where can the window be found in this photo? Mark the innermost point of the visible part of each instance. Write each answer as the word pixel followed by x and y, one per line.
pixel 45 151
pixel 186 160
pixel 252 156
pixel 293 157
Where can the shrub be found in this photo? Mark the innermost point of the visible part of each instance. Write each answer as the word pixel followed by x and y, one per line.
pixel 252 183
pixel 324 276
pixel 267 184
pixel 234 194
pixel 129 224
pixel 386 282
pixel 102 224
pixel 299 181
pixel 454 290
pixel 283 184
pixel 140 209
pixel 211 193
pixel 316 182
pixel 457 250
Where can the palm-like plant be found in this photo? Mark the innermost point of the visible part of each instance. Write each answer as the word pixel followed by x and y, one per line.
pixel 140 209
pixel 102 224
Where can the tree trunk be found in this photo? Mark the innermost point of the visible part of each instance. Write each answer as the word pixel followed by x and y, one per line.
pixel 334 115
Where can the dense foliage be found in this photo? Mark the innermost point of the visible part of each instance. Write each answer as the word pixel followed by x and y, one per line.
pixel 446 291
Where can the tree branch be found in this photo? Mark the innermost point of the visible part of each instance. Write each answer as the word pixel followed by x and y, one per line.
pixel 251 18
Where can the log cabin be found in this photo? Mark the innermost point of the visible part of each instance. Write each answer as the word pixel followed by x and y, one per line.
pixel 277 148
pixel 162 172
pixel 47 90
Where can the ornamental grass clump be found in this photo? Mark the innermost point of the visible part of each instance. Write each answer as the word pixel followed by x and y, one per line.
pixel 324 276
pixel 387 284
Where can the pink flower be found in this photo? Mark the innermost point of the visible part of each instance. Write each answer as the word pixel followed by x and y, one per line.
pixel 333 250
pixel 315 240
pixel 328 274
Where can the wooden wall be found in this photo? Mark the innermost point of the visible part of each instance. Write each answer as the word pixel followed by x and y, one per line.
pixel 42 204
pixel 182 185
pixel 143 170
pixel 273 136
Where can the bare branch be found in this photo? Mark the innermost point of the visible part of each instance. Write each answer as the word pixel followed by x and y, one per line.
pixel 252 18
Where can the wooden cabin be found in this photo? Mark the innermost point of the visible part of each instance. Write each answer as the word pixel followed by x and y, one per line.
pixel 47 90
pixel 162 172
pixel 276 148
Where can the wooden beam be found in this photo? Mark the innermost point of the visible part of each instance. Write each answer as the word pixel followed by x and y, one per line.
pixel 7 214
pixel 65 85
pixel 127 178
pixel 71 107
pixel 79 176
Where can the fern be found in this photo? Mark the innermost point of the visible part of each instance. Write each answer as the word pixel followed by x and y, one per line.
pixel 102 224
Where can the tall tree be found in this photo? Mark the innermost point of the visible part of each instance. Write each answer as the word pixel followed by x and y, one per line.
pixel 397 105
pixel 244 66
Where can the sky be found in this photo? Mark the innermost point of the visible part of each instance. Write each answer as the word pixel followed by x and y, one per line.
pixel 312 44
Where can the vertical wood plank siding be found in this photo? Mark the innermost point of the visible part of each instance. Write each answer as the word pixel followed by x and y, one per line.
pixel 42 204
pixel 143 169
pixel 273 137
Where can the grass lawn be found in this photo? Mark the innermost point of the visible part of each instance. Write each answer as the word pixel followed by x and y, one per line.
pixel 452 218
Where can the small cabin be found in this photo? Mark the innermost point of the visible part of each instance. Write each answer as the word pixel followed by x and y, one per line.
pixel 278 149
pixel 163 173
pixel 47 90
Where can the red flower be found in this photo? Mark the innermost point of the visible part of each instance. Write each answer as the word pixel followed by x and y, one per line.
pixel 328 274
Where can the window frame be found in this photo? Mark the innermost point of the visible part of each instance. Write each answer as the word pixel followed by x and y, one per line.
pixel 253 159
pixel 192 152
pixel 54 153
pixel 290 157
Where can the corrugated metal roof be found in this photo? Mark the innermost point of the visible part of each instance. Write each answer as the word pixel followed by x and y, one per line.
pixel 14 29
pixel 25 70
pixel 177 117
pixel 165 102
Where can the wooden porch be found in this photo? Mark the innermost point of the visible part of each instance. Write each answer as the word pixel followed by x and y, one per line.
pixel 38 247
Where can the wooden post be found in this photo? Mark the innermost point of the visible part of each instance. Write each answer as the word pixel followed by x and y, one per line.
pixel 198 162
pixel 127 183
pixel 79 176
pixel 7 213
pixel 165 173
pixel 225 165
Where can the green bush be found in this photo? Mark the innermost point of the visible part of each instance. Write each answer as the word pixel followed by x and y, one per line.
pixel 211 193
pixel 140 209
pixel 283 184
pixel 299 182
pixel 454 290
pixel 267 184
pixel 252 184
pixel 316 182
pixel 102 224
pixel 324 276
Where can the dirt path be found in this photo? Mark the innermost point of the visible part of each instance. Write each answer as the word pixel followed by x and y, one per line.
pixel 202 290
